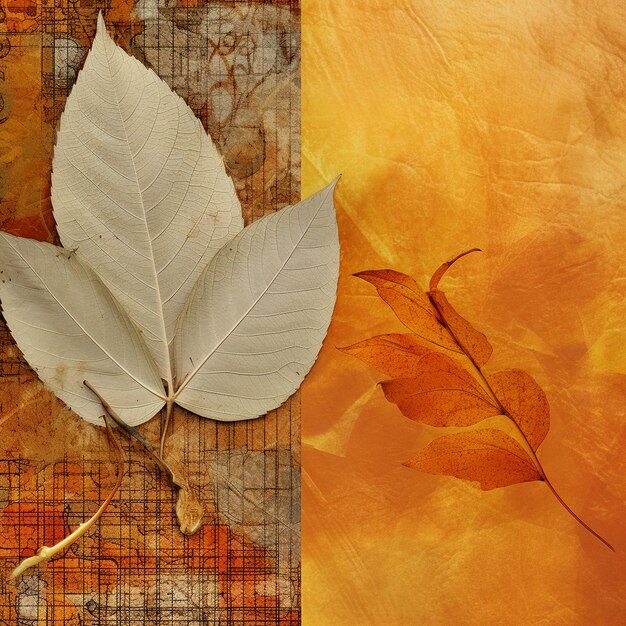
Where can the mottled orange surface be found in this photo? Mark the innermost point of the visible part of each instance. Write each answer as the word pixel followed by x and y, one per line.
pixel 499 125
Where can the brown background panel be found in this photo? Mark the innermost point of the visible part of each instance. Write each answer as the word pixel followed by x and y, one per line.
pixel 237 65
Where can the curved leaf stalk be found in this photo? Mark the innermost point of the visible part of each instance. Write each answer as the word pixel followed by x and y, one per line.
pixel 168 414
pixel 438 275
pixel 47 552
pixel 433 285
pixel 537 462
pixel 189 510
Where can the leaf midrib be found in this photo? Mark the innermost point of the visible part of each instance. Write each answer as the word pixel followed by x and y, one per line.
pixel 159 300
pixel 73 318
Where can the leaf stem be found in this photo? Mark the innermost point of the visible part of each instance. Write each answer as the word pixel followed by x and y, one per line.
pixel 535 458
pixel 189 510
pixel 504 412
pixel 569 510
pixel 131 432
pixel 168 414
pixel 47 552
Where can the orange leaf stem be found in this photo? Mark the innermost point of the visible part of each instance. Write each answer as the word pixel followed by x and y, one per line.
pixel 434 281
pixel 542 471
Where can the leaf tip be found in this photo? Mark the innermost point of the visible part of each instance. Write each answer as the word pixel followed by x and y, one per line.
pixel 101 28
pixel 443 268
pixel 330 188
pixel 103 37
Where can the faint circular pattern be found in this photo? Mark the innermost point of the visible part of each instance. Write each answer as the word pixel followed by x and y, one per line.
pixel 238 69
pixel 68 55
pixel 244 151
pixel 5 103
pixel 4 181
pixel 5 47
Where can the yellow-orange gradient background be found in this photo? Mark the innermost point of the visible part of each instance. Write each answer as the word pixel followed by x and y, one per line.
pixel 459 124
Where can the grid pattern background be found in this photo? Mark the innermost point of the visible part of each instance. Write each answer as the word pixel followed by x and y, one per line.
pixel 237 65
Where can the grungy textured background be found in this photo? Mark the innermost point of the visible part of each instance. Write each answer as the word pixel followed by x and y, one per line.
pixel 457 124
pixel 237 65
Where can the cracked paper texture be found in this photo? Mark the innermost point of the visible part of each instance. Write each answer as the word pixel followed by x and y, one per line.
pixel 237 65
pixel 454 125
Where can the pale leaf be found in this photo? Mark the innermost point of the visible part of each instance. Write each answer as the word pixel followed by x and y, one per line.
pixel 139 190
pixel 255 322
pixel 143 202
pixel 70 328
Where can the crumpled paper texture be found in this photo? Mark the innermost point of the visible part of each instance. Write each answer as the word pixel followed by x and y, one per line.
pixel 455 125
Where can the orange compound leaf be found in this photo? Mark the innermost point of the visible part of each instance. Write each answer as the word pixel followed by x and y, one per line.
pixel 430 387
pixel 441 394
pixel 487 456
pixel 525 402
pixel 411 305
pixel 395 355
pixel 472 341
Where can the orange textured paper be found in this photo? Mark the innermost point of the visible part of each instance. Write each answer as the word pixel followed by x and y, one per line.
pixel 498 125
